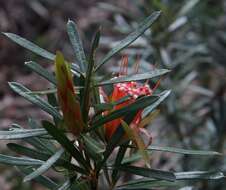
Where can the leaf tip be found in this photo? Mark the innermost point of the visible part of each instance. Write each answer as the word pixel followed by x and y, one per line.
pixel 25 179
pixel 5 33
pixel 69 21
pixel 27 62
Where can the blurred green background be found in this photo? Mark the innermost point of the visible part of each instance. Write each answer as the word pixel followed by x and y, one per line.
pixel 189 39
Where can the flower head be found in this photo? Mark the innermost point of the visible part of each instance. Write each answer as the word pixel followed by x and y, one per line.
pixel 132 90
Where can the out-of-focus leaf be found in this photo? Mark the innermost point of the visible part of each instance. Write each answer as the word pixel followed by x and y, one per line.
pixel 24 92
pixel 30 46
pixel 41 71
pixel 43 180
pixel 45 166
pixel 184 151
pixel 65 142
pixel 18 161
pixel 77 45
pixel 188 6
pixel 198 175
pixel 142 27
pixel 147 172
pixel 135 77
pixel 21 133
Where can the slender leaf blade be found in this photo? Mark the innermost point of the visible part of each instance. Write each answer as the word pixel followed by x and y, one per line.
pixel 40 155
pixel 137 105
pixel 77 44
pixel 118 160
pixel 41 71
pixel 19 161
pixel 142 27
pixel 65 142
pixel 43 180
pixel 147 172
pixel 116 138
pixel 45 166
pixel 93 147
pixel 135 77
pixel 184 151
pixel 66 185
pixel 146 183
pixel 21 133
pixel 89 73
pixel 207 175
pixel 151 107
pixel 24 92
pixel 30 46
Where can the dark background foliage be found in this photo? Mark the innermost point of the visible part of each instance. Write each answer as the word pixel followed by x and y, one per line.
pixel 194 116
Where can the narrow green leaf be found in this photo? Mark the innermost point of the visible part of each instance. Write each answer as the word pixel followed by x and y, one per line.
pixel 146 183
pixel 19 161
pixel 40 155
pixel 142 27
pixel 184 151
pixel 22 150
pixel 24 92
pixel 30 46
pixel 45 166
pixel 116 139
pixel 140 103
pixel 81 185
pixel 52 100
pixel 109 106
pixel 43 180
pixel 45 144
pixel 161 98
pixel 77 44
pixel 89 73
pixel 43 92
pixel 66 185
pixel 65 142
pixel 76 70
pixel 199 175
pixel 135 77
pixel 131 159
pixel 187 7
pixel 118 160
pixel 41 71
pixel 147 172
pixel 93 147
pixel 21 133
pixel 133 134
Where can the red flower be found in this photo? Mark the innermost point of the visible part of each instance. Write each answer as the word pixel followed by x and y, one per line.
pixel 120 90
